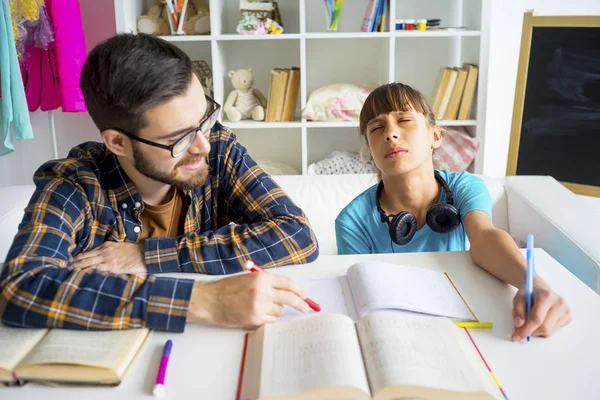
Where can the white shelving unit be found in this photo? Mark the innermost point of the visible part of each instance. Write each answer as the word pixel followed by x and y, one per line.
pixel 349 55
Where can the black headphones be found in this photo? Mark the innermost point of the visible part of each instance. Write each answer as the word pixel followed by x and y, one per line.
pixel 441 218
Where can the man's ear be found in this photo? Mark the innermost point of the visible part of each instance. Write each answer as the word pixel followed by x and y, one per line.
pixel 437 136
pixel 118 143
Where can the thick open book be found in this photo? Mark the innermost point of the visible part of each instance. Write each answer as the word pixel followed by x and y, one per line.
pixel 373 286
pixel 385 355
pixel 67 356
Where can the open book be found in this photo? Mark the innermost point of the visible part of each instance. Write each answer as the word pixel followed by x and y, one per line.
pixel 67 356
pixel 385 355
pixel 372 286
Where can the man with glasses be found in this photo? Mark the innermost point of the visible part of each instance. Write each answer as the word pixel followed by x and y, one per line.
pixel 169 189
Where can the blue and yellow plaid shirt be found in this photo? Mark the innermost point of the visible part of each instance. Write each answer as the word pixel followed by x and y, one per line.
pixel 86 199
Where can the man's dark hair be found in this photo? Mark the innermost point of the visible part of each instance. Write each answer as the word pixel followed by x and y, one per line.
pixel 128 74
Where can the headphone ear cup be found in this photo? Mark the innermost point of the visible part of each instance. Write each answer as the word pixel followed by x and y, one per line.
pixel 443 218
pixel 403 227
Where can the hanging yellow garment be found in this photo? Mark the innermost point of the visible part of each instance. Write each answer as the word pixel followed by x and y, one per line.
pixel 24 9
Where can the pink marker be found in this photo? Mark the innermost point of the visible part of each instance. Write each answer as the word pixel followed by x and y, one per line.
pixel 159 387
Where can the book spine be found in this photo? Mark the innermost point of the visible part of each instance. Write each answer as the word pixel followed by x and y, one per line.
pixel 368 18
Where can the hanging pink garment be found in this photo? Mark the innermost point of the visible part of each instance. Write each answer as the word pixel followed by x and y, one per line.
pixel 70 52
pixel 51 90
pixel 32 74
pixel 51 69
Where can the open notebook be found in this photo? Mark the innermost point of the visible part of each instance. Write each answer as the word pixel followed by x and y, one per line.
pixel 385 355
pixel 67 356
pixel 372 286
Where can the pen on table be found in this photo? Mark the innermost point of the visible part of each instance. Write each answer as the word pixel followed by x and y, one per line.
pixel 255 268
pixel 529 273
pixel 159 387
pixel 474 325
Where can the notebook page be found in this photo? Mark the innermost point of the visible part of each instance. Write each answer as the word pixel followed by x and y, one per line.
pixel 378 285
pixel 15 343
pixel 413 349
pixel 93 348
pixel 311 353
pixel 332 294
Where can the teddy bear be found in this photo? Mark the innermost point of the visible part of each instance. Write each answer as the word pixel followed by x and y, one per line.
pixel 156 21
pixel 244 102
pixel 198 22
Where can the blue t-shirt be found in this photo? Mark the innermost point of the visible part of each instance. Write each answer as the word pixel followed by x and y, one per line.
pixel 359 230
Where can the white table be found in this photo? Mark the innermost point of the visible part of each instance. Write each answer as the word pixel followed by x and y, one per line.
pixel 205 360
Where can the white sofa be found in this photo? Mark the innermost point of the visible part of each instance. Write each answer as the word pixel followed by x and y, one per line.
pixel 521 205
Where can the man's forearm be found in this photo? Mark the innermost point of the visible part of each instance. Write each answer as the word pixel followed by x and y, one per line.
pixel 87 299
pixel 281 240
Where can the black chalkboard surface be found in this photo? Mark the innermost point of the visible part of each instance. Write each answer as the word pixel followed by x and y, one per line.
pixel 559 129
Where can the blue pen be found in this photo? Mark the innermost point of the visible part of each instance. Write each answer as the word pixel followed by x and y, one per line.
pixel 529 274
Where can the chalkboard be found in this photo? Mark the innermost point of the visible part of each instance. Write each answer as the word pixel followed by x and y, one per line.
pixel 556 126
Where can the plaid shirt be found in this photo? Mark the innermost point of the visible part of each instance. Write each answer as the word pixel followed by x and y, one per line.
pixel 86 199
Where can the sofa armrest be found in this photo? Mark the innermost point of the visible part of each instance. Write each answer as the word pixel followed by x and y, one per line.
pixel 560 223
pixel 13 200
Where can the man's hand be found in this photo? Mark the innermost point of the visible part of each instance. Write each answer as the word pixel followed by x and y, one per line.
pixel 115 257
pixel 549 313
pixel 247 300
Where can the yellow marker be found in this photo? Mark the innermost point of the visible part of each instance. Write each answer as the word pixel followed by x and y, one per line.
pixel 475 325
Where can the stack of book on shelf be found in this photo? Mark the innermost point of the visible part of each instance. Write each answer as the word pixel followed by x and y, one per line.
pixel 375 15
pixel 453 92
pixel 283 93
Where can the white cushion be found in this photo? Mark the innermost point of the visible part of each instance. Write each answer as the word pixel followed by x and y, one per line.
pixel 13 200
pixel 322 197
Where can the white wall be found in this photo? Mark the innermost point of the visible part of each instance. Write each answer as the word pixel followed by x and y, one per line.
pixel 505 39
pixel 505 42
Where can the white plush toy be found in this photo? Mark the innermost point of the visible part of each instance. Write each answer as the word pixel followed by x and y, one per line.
pixel 244 102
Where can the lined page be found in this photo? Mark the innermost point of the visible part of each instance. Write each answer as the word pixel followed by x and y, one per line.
pixel 93 348
pixel 15 343
pixel 378 285
pixel 311 353
pixel 332 294
pixel 412 349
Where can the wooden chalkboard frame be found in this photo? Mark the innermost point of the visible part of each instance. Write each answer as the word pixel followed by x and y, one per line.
pixel 529 22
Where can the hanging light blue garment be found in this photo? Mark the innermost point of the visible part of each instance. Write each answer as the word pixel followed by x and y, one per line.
pixel 14 104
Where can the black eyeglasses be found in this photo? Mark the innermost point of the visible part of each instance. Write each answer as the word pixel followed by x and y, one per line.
pixel 184 143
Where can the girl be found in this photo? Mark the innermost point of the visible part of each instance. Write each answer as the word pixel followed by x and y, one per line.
pixel 417 208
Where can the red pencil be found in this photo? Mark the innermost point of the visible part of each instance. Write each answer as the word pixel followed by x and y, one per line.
pixel 487 366
pixel 240 380
pixel 250 266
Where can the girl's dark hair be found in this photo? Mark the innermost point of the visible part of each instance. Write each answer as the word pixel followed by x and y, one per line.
pixel 389 98
pixel 393 97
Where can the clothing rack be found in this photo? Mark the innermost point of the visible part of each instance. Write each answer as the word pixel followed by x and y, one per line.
pixel 53 132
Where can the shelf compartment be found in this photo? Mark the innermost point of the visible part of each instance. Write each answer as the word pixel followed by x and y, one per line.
pixel 283 145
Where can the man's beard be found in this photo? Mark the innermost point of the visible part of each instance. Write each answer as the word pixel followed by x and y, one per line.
pixel 144 166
